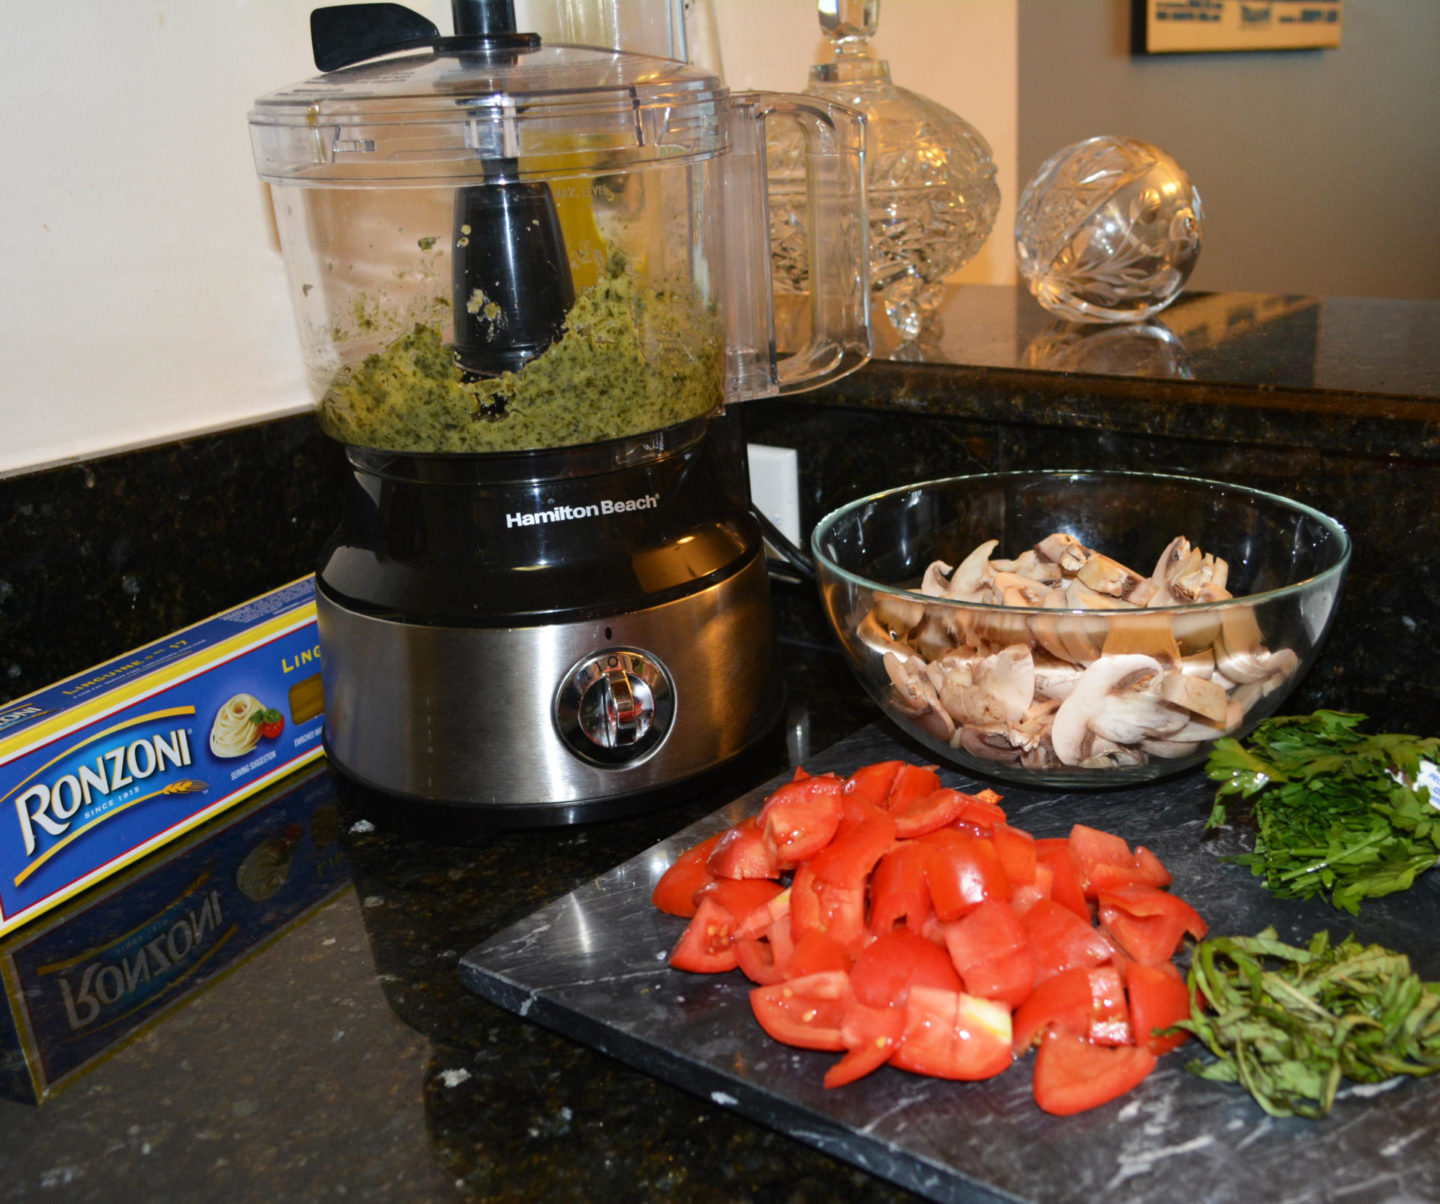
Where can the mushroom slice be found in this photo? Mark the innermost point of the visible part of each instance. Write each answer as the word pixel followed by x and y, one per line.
pixel 1240 653
pixel 1065 550
pixel 876 635
pixel 1107 576
pixel 1000 689
pixel 1199 695
pixel 1144 632
pixel 916 697
pixel 991 742
pixel 1084 638
pixel 1047 628
pixel 1030 564
pixel 1168 750
pixel 896 614
pixel 1054 677
pixel 1105 754
pixel 966 581
pixel 1117 700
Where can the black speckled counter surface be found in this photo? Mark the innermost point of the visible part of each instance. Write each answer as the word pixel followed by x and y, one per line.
pixel 343 1055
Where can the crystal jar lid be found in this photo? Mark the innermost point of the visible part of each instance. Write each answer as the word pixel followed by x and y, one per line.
pixel 453 115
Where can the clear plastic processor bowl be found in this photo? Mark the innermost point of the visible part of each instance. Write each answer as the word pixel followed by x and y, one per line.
pixel 1100 641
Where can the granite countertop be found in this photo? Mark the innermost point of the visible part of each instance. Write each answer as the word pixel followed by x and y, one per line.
pixel 345 1058
pixel 342 1056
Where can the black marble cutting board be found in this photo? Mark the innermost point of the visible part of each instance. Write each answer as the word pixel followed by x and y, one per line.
pixel 592 965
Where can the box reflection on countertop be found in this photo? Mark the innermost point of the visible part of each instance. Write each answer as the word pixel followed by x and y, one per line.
pixel 86 979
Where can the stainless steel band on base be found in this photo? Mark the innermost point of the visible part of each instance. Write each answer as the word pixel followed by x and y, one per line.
pixel 554 714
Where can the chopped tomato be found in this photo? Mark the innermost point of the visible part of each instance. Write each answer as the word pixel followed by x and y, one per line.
pixel 870 1036
pixel 675 893
pixel 1150 924
pixel 1017 854
pixel 1088 1002
pixel 799 819
pixel 982 810
pixel 741 896
pixel 989 948
pixel 1158 999
pixel 707 944
pixel 899 892
pixel 872 782
pixel 893 920
pixel 1103 861
pixel 1065 885
pixel 911 782
pixel 805 1012
pixel 925 813
pixel 814 953
pixel 741 852
pixel 1028 894
pixel 963 872
pixel 1073 1075
pixel 828 907
pixel 1061 940
pixel 952 1035
pixel 887 968
pixel 864 834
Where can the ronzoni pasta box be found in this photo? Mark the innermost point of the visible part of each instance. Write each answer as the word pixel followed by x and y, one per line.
pixel 99 769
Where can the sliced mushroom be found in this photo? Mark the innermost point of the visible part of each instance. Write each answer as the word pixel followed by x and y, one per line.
pixel 1107 576
pixel 896 615
pixel 916 697
pixel 1115 701
pixel 1146 633
pixel 999 690
pixel 1054 677
pixel 992 743
pixel 1199 695
pixel 1065 550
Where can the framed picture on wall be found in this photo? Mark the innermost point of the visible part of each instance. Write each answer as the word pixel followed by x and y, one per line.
pixel 1197 26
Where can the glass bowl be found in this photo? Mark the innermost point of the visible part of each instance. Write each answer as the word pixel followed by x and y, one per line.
pixel 1097 642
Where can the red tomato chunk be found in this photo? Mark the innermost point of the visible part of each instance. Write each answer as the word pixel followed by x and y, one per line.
pixel 899 922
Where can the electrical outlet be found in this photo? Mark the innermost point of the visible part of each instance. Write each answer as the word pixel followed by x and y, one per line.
pixel 775 486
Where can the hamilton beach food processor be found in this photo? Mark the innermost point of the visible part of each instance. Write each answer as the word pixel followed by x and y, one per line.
pixel 528 278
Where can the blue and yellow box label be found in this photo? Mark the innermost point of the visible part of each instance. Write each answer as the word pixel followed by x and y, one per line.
pixel 99 769
pixel 91 975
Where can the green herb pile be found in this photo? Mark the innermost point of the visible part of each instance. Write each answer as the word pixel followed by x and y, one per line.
pixel 1333 810
pixel 1289 1024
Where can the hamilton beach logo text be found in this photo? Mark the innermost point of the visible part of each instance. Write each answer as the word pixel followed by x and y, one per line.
pixel 564 514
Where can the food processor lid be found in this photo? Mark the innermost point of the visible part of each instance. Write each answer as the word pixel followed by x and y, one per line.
pixel 507 107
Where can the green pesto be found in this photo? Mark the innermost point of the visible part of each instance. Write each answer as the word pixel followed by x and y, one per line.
pixel 632 359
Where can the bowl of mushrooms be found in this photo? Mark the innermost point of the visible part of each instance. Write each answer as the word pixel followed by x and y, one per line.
pixel 1077 628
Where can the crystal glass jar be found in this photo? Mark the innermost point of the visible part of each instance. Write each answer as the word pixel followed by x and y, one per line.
pixel 932 194
pixel 1108 231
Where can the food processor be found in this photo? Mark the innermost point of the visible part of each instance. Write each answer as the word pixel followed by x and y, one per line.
pixel 528 279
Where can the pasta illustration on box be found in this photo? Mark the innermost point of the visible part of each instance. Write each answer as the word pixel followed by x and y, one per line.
pixel 99 769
